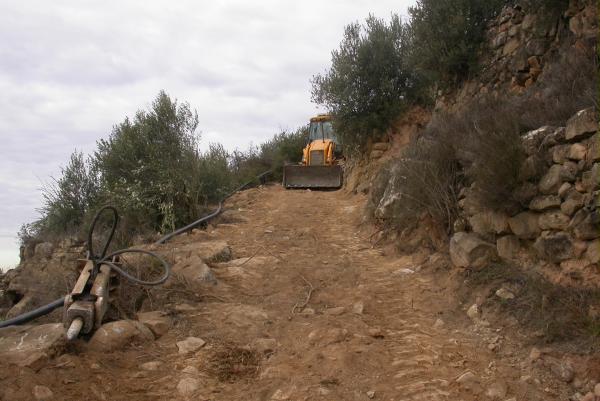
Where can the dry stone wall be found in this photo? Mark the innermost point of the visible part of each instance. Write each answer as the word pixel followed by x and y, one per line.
pixel 520 45
pixel 558 221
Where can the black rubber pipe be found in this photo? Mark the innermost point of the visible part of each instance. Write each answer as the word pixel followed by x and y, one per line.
pixel 34 314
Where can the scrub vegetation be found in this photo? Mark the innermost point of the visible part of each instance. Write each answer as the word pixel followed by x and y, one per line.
pixel 152 170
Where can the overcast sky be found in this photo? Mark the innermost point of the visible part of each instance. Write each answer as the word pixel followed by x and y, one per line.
pixel 70 70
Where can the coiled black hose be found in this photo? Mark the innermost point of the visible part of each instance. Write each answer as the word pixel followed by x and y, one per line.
pixel 101 259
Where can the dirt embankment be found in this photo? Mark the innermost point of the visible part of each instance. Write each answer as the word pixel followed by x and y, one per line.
pixel 305 308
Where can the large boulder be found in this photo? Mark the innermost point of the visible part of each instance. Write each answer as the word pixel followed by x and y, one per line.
pixel 194 271
pixel 553 179
pixel 553 220
pixel 581 124
pixel 574 201
pixel 532 140
pixel 468 250
pixel 525 225
pixel 118 334
pixel 157 321
pixel 31 346
pixel 554 247
pixel 540 203
pixel 591 179
pixel 508 247
pixel 585 225
pixel 489 222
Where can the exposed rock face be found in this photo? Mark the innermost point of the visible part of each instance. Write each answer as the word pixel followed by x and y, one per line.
pixel 31 346
pixel 41 276
pixel 581 124
pixel 468 250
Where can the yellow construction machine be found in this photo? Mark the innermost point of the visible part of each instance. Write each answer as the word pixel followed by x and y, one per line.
pixel 320 167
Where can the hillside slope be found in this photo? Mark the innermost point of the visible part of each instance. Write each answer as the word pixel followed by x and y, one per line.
pixel 304 308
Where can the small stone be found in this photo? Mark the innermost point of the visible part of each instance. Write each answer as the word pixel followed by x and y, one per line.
pixel 151 366
pixel 469 381
pixel 504 294
pixel 185 308
pixel 564 189
pixel 439 323
pixel 376 332
pixel 157 321
pixel 403 271
pixel 473 312
pixel 597 390
pixel 358 308
pixel 588 397
pixel 535 354
pixel 334 311
pixel 190 370
pixel 190 344
pixel 496 391
pixel 371 394
pixel 42 393
pixel 187 386
pixel 563 370
pixel 265 345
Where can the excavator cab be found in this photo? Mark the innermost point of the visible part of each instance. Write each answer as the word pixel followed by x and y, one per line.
pixel 320 159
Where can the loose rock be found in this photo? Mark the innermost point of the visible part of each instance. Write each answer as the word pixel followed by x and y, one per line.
pixel 187 386
pixel 42 393
pixel 157 321
pixel 190 344
pixel 31 346
pixel 116 335
pixel 468 250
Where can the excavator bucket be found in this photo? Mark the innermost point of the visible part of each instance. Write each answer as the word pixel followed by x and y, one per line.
pixel 295 176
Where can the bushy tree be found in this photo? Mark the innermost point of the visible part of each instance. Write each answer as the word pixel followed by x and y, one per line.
pixel 66 200
pixel 370 80
pixel 147 164
pixel 447 36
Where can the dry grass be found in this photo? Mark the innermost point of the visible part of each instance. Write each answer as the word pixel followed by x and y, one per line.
pixel 232 363
pixel 557 313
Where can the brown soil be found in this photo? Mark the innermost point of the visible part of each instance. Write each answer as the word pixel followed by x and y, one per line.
pixel 349 323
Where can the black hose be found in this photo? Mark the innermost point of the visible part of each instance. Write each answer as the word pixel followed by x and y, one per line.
pixel 101 259
pixel 28 316
pixel 213 214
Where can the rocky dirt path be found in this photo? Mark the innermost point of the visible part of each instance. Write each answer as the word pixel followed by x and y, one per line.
pixel 306 310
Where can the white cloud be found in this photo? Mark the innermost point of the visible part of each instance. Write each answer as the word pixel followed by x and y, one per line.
pixel 70 70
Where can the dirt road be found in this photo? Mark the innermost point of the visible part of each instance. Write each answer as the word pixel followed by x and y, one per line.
pixel 307 310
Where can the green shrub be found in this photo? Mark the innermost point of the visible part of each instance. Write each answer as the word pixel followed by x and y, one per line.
pixel 147 164
pixel 447 36
pixel 151 169
pixel 428 177
pixel 370 81
pixel 66 200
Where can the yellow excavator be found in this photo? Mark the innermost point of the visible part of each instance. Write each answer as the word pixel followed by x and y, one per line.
pixel 320 166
